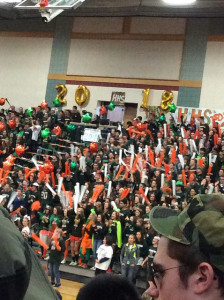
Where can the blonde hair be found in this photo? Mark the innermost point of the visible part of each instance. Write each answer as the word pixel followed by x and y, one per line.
pixel 59 230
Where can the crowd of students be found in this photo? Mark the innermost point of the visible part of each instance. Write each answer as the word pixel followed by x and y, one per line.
pixel 97 198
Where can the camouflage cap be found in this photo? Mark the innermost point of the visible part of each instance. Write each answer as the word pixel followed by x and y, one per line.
pixel 200 224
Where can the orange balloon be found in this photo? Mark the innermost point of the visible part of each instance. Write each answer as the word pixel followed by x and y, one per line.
pixel 103 110
pixel 44 105
pixel 7 166
pixel 2 126
pixel 93 147
pixel 20 149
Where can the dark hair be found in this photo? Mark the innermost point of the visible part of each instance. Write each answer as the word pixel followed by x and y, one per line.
pixel 108 287
pixel 102 217
pixel 191 257
pixel 109 240
pixel 125 201
pixel 117 215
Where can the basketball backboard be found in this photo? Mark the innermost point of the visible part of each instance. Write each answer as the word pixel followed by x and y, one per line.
pixel 53 4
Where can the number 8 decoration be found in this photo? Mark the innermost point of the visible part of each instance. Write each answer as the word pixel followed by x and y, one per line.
pixel 167 98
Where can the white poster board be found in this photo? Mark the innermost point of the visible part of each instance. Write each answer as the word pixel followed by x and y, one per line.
pixel 91 135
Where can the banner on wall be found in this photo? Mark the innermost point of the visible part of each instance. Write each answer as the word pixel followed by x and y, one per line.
pixel 118 98
pixel 208 114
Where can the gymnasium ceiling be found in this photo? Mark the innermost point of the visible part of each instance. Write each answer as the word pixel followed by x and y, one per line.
pixel 151 8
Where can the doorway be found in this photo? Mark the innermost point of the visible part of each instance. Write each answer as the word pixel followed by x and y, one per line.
pixel 116 115
pixel 130 112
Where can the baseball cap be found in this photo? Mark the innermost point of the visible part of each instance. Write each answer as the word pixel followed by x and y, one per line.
pixel 200 224
pixel 36 184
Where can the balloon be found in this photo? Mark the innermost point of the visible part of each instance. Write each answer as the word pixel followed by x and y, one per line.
pixel 12 124
pixel 111 106
pixel 45 133
pixel 73 165
pixel 2 126
pixel 43 3
pixel 62 92
pixel 57 130
pixel 35 205
pixel 2 101
pixel 20 149
pixel 44 104
pixel 162 118
pixel 167 98
pixel 103 110
pixel 11 159
pixel 70 127
pixel 48 167
pixel 145 99
pixel 20 133
pixel 172 108
pixel 81 95
pixel 86 118
pixel 7 166
pixel 141 126
pixel 57 103
pixel 93 147
pixel 29 112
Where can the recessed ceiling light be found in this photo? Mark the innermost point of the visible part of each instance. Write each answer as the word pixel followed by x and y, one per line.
pixel 179 2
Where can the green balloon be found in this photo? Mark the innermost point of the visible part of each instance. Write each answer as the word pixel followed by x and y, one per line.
pixel 162 119
pixel 57 103
pixel 73 165
pixel 29 112
pixel 86 118
pixel 20 133
pixel 172 108
pixel 111 105
pixel 70 127
pixel 45 133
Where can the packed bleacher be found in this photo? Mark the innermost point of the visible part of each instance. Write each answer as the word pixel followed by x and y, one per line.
pixel 91 198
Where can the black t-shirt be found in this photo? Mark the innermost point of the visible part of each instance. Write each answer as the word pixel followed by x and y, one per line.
pixel 27 135
pixel 54 120
pixel 65 222
pixel 205 128
pixel 55 255
pixel 76 117
pixel 45 198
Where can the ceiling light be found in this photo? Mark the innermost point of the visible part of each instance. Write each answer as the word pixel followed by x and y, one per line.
pixel 179 2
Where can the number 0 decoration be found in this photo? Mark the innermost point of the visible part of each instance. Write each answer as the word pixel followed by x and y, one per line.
pixel 81 95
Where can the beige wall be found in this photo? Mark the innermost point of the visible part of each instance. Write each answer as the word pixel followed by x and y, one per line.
pixel 137 48
pixel 130 59
pixel 212 93
pixel 24 64
pixel 104 94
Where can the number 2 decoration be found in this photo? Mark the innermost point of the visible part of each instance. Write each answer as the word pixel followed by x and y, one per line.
pixel 62 92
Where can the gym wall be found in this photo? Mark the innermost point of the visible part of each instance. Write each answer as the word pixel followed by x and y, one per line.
pixel 113 54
